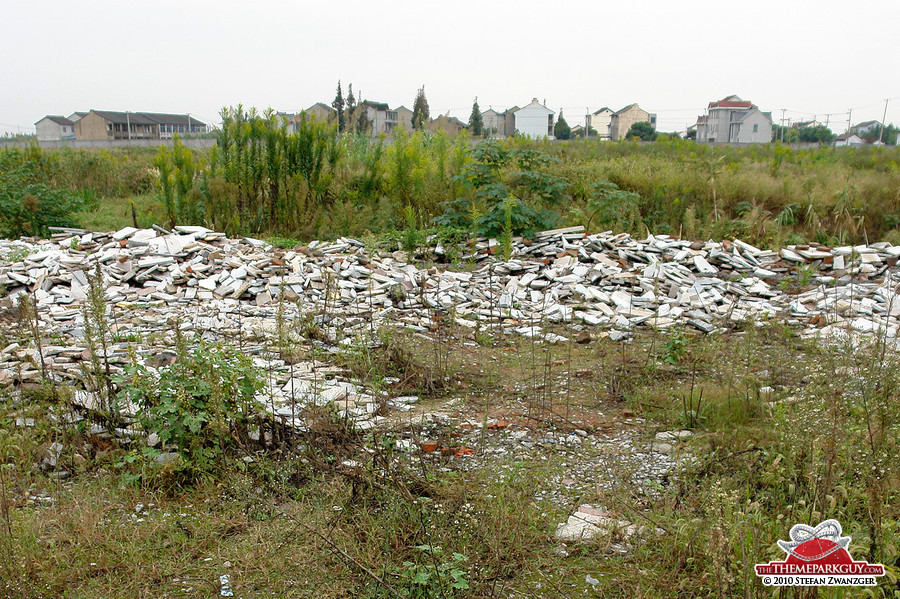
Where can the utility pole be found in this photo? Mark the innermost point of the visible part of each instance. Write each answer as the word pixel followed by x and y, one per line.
pixel 883 125
pixel 128 124
pixel 783 110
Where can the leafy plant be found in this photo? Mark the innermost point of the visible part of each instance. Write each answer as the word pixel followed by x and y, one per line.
pixel 435 578
pixel 518 201
pixel 201 406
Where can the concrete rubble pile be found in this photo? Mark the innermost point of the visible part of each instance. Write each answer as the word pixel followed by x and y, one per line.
pixel 220 288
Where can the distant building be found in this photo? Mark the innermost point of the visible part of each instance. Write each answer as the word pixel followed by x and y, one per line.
pixel 621 121
pixel 321 112
pixel 54 128
pixel 534 120
pixel 849 140
pixel 106 125
pixel 494 123
pixel 805 124
pixel 404 118
pixel 380 116
pixel 865 127
pixel 600 121
pixel 733 120
pixel 448 124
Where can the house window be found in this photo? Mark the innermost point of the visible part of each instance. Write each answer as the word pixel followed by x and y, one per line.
pixel 756 128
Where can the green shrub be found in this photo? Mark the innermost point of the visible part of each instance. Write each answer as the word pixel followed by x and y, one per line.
pixel 201 406
pixel 29 207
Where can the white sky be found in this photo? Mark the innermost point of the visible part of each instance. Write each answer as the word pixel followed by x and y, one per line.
pixel 670 56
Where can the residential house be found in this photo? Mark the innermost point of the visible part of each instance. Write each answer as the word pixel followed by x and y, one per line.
pixel 446 123
pixel 404 118
pixel 734 120
pixel 54 128
pixel 534 120
pixel 321 112
pixel 169 125
pixel 494 123
pixel 620 122
pixel 509 122
pixel 381 118
pixel 849 140
pixel 107 125
pixel 865 127
pixel 805 124
pixel 599 121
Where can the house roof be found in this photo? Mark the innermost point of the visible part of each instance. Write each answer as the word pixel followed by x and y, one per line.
pixel 846 136
pixel 325 106
pixel 732 101
pixel 59 120
pixel 376 105
pixel 630 106
pixel 601 110
pixel 147 118
pixel 173 119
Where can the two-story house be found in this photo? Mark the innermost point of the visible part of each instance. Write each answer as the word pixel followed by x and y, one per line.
pixel 734 120
pixel 620 122
pixel 54 128
pixel 107 125
pixel 534 120
pixel 599 121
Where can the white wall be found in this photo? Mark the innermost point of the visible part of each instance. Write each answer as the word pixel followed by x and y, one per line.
pixel 600 123
pixel 532 121
pixel 746 133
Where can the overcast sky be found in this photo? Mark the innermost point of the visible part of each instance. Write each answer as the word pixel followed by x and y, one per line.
pixel 670 56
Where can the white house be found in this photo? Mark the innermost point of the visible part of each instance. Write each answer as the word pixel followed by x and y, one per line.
pixel 534 120
pixel 733 120
pixel 599 121
pixel 849 140
pixel 865 127
pixel 494 123
pixel 54 128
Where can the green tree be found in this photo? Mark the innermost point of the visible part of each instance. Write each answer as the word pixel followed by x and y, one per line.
pixel 476 123
pixel 561 129
pixel 351 108
pixel 362 117
pixel 820 134
pixel 420 113
pixel 338 105
pixel 874 134
pixel 643 131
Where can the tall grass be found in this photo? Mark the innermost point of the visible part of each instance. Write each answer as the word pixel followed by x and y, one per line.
pixel 309 181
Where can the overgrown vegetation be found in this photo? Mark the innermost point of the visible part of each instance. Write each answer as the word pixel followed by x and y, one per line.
pixel 305 180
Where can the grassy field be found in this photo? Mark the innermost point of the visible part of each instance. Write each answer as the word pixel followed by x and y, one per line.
pixel 319 185
pixel 776 439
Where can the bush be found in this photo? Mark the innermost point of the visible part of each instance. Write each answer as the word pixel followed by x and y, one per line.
pixel 28 207
pixel 201 406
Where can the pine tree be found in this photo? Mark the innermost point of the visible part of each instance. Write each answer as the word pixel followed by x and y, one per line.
pixel 561 129
pixel 338 105
pixel 351 108
pixel 362 116
pixel 420 110
pixel 476 123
